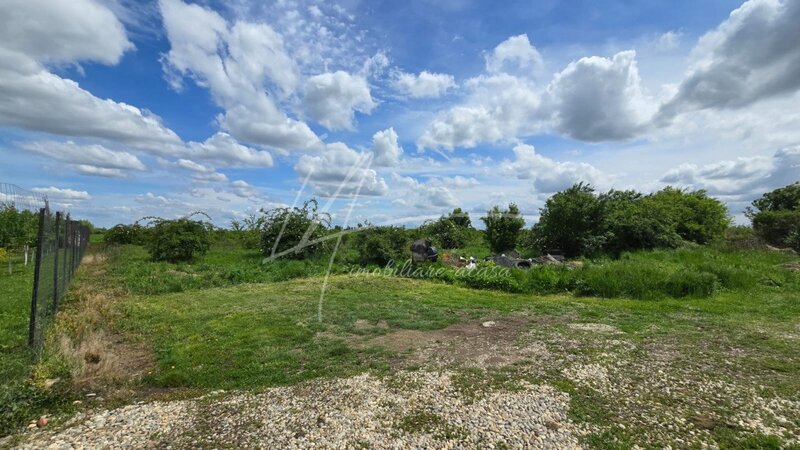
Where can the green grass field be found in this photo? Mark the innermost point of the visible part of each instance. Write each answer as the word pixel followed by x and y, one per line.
pixel 228 322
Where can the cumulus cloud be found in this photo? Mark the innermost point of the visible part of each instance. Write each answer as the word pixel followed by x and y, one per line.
pixel 62 194
pixel 200 172
pixel 222 149
pixel 547 175
pixel 598 99
pixel 63 31
pixel 386 149
pixel 515 53
pixel 238 63
pixel 432 194
pixel 91 155
pixel 332 99
pixel 748 176
pixel 751 56
pixel 423 85
pixel 33 33
pixel 340 170
pixel 242 189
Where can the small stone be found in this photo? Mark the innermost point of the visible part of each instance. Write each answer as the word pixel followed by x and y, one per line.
pixel 488 324
pixel 42 422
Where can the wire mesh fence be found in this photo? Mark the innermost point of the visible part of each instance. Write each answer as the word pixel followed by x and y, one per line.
pixel 53 243
pixel 61 243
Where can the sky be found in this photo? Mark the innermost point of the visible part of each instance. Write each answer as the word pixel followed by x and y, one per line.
pixel 392 112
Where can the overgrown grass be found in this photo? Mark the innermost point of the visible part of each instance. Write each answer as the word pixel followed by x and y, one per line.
pixel 21 399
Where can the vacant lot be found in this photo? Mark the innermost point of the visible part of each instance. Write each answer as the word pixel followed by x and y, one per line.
pixel 399 362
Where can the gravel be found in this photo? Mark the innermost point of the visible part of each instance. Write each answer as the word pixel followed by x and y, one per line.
pixel 417 409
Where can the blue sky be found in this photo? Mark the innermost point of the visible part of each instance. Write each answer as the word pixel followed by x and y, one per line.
pixel 120 109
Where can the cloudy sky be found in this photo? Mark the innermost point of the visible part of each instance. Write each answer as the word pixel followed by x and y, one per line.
pixel 117 109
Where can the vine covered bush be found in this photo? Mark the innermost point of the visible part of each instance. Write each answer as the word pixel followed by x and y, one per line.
pixel 179 239
pixel 296 232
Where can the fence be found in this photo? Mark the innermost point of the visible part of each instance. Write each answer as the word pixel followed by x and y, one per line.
pixel 60 246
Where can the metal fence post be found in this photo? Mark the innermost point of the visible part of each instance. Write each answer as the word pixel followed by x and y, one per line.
pixel 36 270
pixel 64 279
pixel 55 264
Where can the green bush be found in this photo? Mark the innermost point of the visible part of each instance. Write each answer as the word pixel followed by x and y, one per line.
pixel 178 240
pixel 449 232
pixel 571 221
pixel 126 234
pixel 294 232
pixel 503 228
pixel 777 227
pixel 381 245
pixel 581 223
pixel 17 227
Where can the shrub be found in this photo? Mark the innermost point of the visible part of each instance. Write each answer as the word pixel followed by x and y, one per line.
pixel 127 234
pixel 777 227
pixel 179 239
pixel 634 221
pixel 18 227
pixel 503 228
pixel 381 245
pixel 294 232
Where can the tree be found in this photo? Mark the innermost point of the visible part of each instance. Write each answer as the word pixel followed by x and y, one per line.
pixel 572 221
pixel 294 230
pixel 381 245
pixel 18 227
pixel 503 228
pixel 633 221
pixel 460 218
pixel 697 217
pixel 450 231
pixel 776 216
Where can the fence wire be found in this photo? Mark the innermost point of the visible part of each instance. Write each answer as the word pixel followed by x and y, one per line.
pixel 61 243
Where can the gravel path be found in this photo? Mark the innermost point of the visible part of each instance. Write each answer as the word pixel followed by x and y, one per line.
pixel 407 410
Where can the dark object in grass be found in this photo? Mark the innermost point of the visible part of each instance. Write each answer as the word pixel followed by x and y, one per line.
pixel 422 250
pixel 513 263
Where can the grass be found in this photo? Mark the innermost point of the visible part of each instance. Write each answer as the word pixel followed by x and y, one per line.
pixel 227 321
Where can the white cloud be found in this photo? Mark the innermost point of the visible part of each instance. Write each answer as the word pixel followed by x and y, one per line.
pixel 62 193
pixel 31 97
pixel 223 149
pixel 91 155
pixel 94 171
pixel 238 64
pixel 747 176
pixel 549 176
pixel 386 148
pixel 597 99
pixel 333 98
pixel 424 85
pixel 751 56
pixel 343 170
pixel 427 196
pixel 62 31
pixel 242 189
pixel 668 41
pixel 499 108
pixel 515 53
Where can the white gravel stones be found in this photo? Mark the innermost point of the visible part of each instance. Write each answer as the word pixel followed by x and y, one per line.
pixel 362 411
pixel 130 427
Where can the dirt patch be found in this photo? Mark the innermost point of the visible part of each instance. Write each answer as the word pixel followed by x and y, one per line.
pixel 595 328
pixel 366 325
pixel 468 344
pixel 793 266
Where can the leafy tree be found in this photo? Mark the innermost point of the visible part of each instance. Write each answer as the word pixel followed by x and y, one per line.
pixel 633 221
pixel 450 231
pixel 294 230
pixel 776 216
pixel 573 221
pixel 178 239
pixel 460 218
pixel 697 217
pixel 503 228
pixel 18 227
